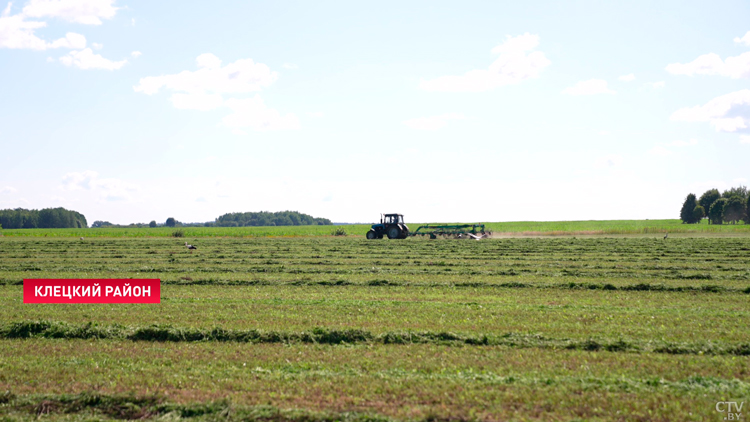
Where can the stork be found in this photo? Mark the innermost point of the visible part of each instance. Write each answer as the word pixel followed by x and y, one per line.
pixel 665 235
pixel 190 247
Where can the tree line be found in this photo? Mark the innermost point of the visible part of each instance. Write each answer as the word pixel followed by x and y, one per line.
pixel 47 218
pixel 236 219
pixel 730 206
pixel 264 218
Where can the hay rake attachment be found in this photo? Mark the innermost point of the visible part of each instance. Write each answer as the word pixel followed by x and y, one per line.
pixel 457 231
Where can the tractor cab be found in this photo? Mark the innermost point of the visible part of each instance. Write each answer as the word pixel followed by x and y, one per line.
pixel 392 219
pixel 391 225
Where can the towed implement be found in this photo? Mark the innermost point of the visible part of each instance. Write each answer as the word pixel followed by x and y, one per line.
pixel 393 226
pixel 457 231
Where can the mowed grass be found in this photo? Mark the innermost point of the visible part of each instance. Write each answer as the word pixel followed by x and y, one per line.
pixel 553 313
pixel 679 263
pixel 405 382
pixel 689 292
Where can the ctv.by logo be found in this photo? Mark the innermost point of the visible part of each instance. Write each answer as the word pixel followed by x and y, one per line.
pixel 731 409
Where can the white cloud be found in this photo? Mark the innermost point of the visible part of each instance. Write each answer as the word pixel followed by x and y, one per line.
pixel 744 40
pixel 86 59
pixel 433 122
pixel 88 12
pixel 590 87
pixel 108 189
pixel 208 61
pixel 136 54
pixel 513 65
pixel 627 78
pixel 660 151
pixel 241 76
pixel 317 114
pixel 78 181
pixel 289 66
pixel 252 112
pixel 711 64
pixel 8 189
pixel 611 160
pixel 604 133
pixel 657 85
pixel 97 46
pixel 71 40
pixel 18 33
pixel 680 143
pixel 745 139
pixel 239 132
pixel 727 113
pixel 202 89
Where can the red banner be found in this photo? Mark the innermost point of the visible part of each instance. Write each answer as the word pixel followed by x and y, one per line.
pixel 90 290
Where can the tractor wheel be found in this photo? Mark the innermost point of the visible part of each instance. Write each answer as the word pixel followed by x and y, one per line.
pixel 394 233
pixel 372 235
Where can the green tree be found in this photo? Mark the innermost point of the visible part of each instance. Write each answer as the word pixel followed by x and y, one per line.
pixel 265 218
pixel 740 191
pixel 716 213
pixel 20 218
pixel 747 211
pixel 170 222
pixel 708 198
pixel 698 213
pixel 152 223
pixel 734 210
pixel 688 208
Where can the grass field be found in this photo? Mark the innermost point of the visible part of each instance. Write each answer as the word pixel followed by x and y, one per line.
pixel 528 228
pixel 341 328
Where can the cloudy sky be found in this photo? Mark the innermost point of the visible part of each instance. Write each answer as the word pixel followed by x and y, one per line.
pixel 133 110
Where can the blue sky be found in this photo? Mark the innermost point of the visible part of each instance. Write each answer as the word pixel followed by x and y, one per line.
pixel 132 111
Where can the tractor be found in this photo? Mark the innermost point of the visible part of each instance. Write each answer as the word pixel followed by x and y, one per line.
pixel 392 226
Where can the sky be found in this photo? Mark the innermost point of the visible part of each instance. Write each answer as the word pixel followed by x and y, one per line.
pixel 481 111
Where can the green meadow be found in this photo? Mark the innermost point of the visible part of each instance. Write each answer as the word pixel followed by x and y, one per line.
pixel 544 228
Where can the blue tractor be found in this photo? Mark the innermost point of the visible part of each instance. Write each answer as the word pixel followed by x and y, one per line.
pixel 392 226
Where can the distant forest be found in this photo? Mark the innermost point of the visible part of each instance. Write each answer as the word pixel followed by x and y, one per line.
pixel 48 218
pixel 235 219
pixel 264 218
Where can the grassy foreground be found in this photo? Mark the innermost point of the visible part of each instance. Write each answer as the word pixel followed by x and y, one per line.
pixel 341 328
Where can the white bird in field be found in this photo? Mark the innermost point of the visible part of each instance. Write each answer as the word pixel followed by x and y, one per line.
pixel 665 235
pixel 191 247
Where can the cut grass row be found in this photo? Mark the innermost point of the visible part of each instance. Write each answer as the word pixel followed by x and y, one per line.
pixel 402 381
pixel 639 316
pixel 58 330
pixel 615 227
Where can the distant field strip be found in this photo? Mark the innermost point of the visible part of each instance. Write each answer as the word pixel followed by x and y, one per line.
pixel 523 228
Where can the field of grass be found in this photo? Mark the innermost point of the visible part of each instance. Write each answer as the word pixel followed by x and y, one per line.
pixel 524 228
pixel 341 328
